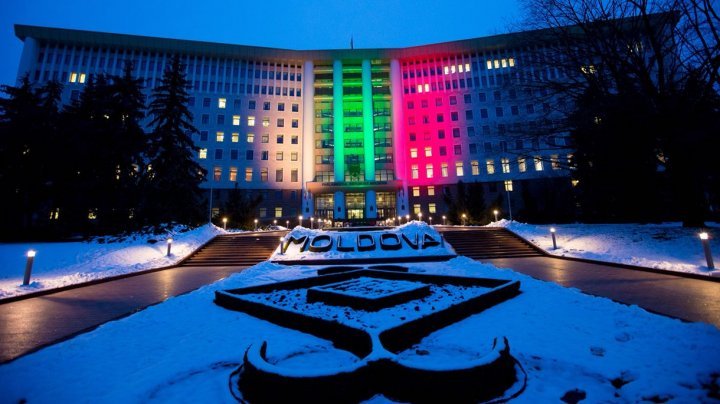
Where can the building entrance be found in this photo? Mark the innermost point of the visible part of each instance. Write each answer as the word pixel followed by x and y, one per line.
pixel 355 205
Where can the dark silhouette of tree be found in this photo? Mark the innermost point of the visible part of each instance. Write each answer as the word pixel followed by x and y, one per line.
pixel 240 207
pixel 172 176
pixel 468 200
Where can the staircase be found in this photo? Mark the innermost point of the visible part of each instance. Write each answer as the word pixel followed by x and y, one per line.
pixel 488 243
pixel 237 250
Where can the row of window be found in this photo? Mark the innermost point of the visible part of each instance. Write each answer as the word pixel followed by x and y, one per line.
pixel 249 155
pixel 220 120
pixel 522 166
pixel 252 104
pixel 249 173
pixel 249 138
pixel 469 115
pixel 497 95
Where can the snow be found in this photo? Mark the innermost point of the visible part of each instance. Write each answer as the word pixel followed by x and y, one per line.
pixel 411 230
pixel 667 246
pixel 185 348
pixel 69 263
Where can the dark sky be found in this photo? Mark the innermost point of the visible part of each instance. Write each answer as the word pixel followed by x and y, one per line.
pixel 293 24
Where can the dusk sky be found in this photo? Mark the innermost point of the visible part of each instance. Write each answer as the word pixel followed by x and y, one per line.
pixel 293 24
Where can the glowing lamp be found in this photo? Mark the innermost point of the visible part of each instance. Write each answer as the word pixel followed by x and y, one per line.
pixel 703 236
pixel 28 267
pixel 31 253
pixel 705 239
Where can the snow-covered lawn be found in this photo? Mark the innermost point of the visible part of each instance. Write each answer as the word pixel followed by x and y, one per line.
pixel 68 263
pixel 663 246
pixel 186 348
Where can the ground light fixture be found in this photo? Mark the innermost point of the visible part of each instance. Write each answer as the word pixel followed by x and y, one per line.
pixel 28 266
pixel 430 219
pixel 495 212
pixel 407 218
pixel 420 216
pixel 552 233
pixel 444 220
pixel 287 224
pixel 169 245
pixel 464 216
pixel 224 223
pixel 300 219
pixel 705 240
pixel 256 222
pixel 312 220
pixel 281 246
pixel 274 222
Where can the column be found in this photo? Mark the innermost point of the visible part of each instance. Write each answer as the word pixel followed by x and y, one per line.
pixel 368 127
pixel 370 204
pixel 28 58
pixel 339 201
pixel 308 136
pixel 399 146
pixel 338 126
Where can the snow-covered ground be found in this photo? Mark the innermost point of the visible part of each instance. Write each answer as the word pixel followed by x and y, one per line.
pixel 666 246
pixel 68 263
pixel 186 348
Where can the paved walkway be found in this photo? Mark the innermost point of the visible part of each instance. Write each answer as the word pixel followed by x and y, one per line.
pixel 27 325
pixel 676 296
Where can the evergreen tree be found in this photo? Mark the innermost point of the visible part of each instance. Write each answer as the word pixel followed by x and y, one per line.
pixel 173 177
pixel 477 210
pixel 239 208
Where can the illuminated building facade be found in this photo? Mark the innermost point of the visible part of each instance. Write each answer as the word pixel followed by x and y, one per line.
pixel 353 134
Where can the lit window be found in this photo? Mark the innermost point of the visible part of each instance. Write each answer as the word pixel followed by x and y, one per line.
pixel 278 211
pixel 452 69
pixel 294 156
pixel 590 69
pixel 263 174
pixel 508 185
pixel 236 120
pixel 279 156
pixel 489 64
pixel 475 167
pixel 220 136
pixel 251 121
pixel 233 174
pixel 496 63
pixel 467 67
pixel 505 163
pixel 522 166
pixel 511 62
pixel 279 175
pixel 459 171
pixel 73 77
pixel 555 162
pixel 432 208
pixel 82 78
pixel 262 212
pixel 203 154
pixel 428 152
pixel 92 214
pixel 429 170
pixel 221 103
pixel 248 174
pixel 266 122
pixel 419 88
pixel 265 138
pixel 490 165
pixel 416 208
pixel 503 62
pixel 444 169
pixel 431 190
pixel 416 191
pixel 427 87
pixel 250 137
pixel 538 163
pixel 447 70
pixel 217 174
pixel 413 153
pixel 414 171
pixel 460 68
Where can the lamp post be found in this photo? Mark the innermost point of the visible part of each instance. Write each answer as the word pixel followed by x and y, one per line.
pixel 300 218
pixel 287 224
pixel 444 220
pixel 464 216
pixel 224 223
pixel 407 218
pixel 28 267
pixel 312 220
pixel 705 239
pixel 280 250
pixel 169 244
pixel 430 218
pixel 552 233
pixel 495 212
pixel 420 216
pixel 256 222
pixel 275 222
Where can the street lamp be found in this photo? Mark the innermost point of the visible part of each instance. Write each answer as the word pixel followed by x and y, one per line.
pixel 169 244
pixel 28 267
pixel 287 224
pixel 274 222
pixel 300 219
pixel 495 212
pixel 464 216
pixel 281 246
pixel 704 238
pixel 430 218
pixel 420 216
pixel 224 223
pixel 312 219
pixel 256 222
pixel 407 218
pixel 444 220
pixel 552 232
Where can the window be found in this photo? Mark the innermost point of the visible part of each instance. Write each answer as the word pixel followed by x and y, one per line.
pixel 294 139
pixel 508 185
pixel 473 148
pixel 538 163
pixel 279 175
pixel 233 154
pixel 235 137
pixel 217 174
pixel 454 116
pixel 266 122
pixel 505 164
pixel 250 137
pixel 414 172
pixel 262 212
pixel 431 190
pixel 236 120
pixel 440 118
pixel 499 112
pixel 555 162
pixel 443 151
pixel 468 114
pixel 475 167
pixel 279 156
pixel 410 105
pixel 428 151
pixel 221 119
pixel 295 107
pixel 415 191
pixel 522 165
pixel 490 165
pixel 429 170
pixel 416 208
pixel 295 123
pixel 280 123
pixel 218 154
pixel 456 132
pixel 483 113
pixel 205 119
pixel 467 98
pixel 441 134
pixel 453 100
pixel 251 104
pixel 281 106
pixel 432 208
pixel 471 131
pixel 459 171
pixel 233 174
pixel 206 102
pixel 248 174
pixel 220 136
pixel 251 121
pixel 444 170
pixel 266 106
pixel 73 77
pixel 294 156
pixel 264 174
pixel 278 211
pixel 413 153
pixel 81 78
pixel 203 154
pixel 222 102
pixel 294 175
pixel 457 149
pixel 248 155
pixel 265 138
pixel 280 139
